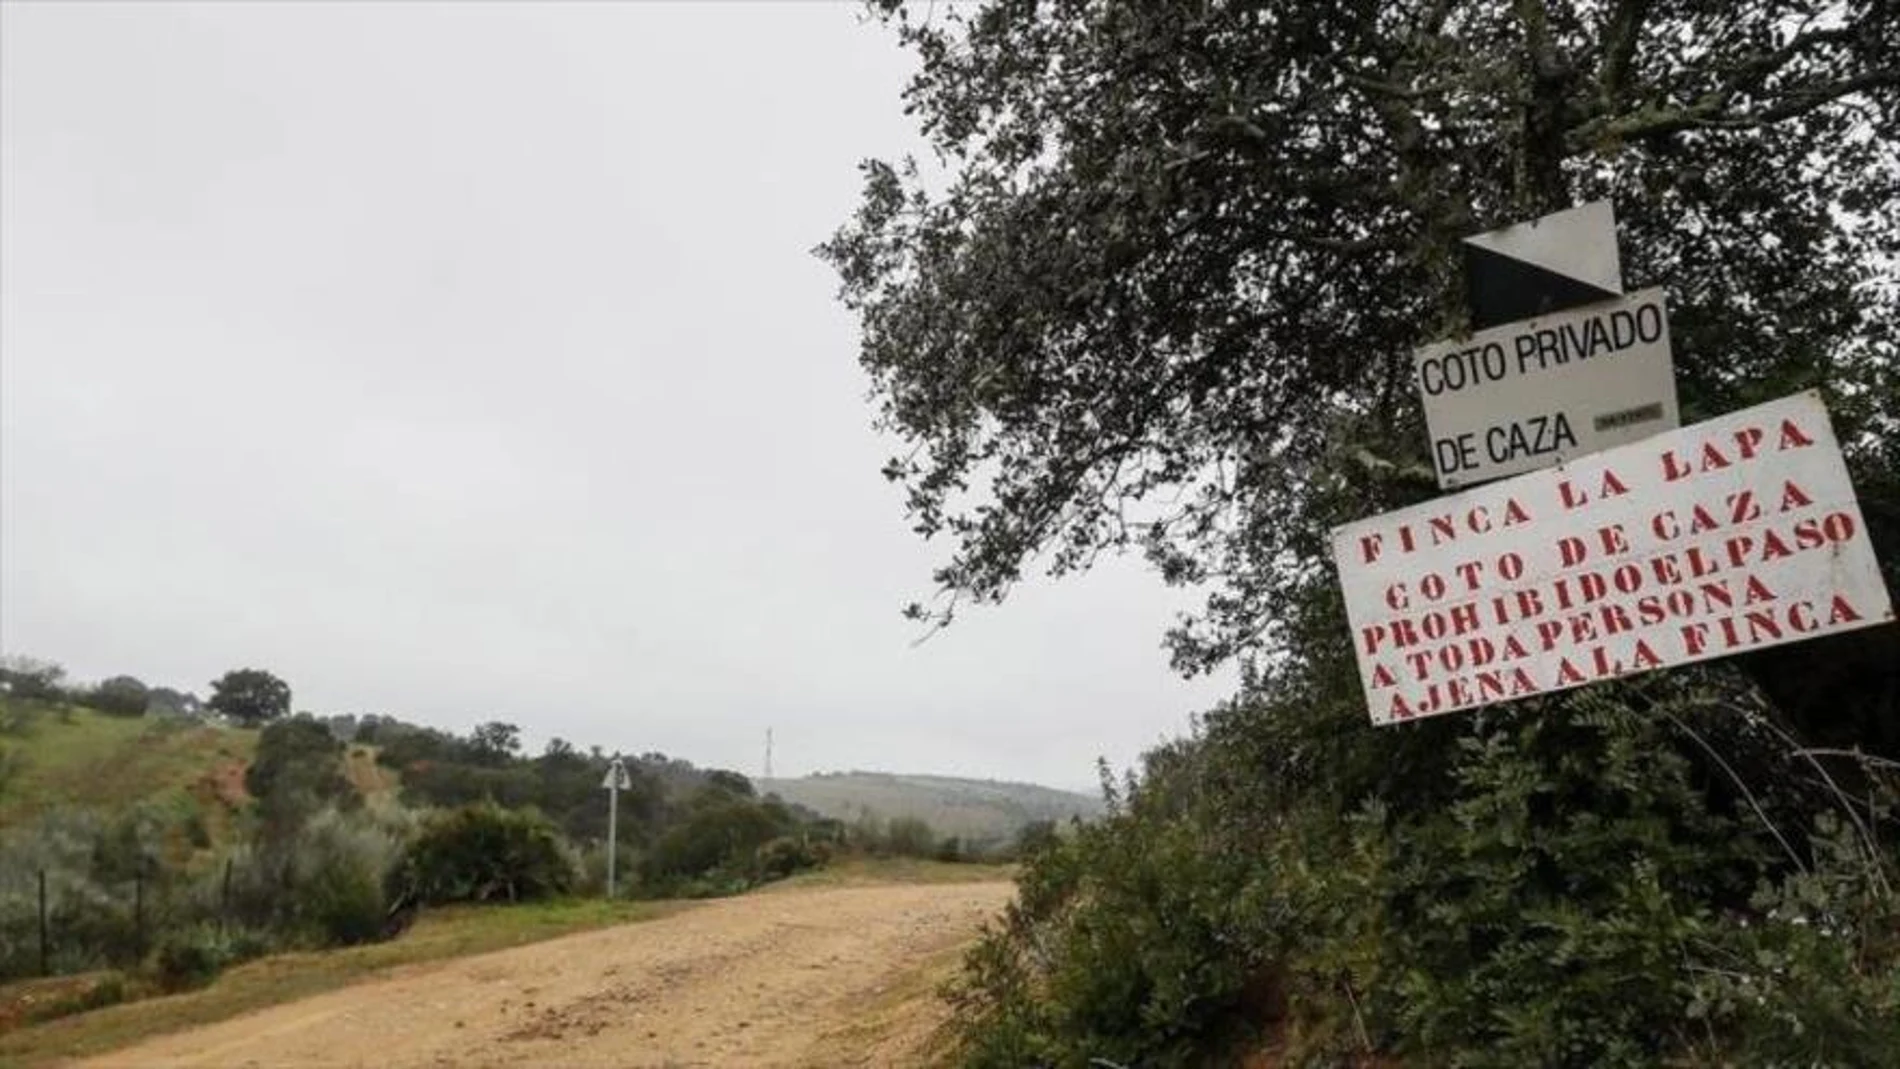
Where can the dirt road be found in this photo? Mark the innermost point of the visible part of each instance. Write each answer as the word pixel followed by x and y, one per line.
pixel 808 977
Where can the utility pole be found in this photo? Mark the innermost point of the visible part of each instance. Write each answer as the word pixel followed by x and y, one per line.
pixel 768 753
pixel 617 779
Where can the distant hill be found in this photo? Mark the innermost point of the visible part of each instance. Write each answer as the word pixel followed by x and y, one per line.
pixel 975 810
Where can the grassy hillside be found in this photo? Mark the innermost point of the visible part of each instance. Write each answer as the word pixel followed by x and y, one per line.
pixel 64 758
pixel 974 810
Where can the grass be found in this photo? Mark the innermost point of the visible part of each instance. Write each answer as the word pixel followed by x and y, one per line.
pixel 864 872
pixel 78 758
pixel 451 932
pixel 369 778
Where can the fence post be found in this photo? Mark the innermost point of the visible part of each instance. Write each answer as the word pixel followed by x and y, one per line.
pixel 138 910
pixel 44 971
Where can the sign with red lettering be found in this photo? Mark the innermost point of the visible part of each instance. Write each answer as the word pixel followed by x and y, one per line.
pixel 1539 392
pixel 1726 536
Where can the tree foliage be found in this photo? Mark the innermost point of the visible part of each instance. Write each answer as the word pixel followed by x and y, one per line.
pixel 297 771
pixel 484 852
pixel 120 696
pixel 1162 289
pixel 250 696
pixel 495 743
pixel 32 679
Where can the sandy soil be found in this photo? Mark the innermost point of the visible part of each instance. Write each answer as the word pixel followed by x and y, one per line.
pixel 818 977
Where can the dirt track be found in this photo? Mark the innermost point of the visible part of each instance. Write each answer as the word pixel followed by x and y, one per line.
pixel 824 977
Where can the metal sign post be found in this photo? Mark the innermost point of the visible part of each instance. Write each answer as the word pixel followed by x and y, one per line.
pixel 617 778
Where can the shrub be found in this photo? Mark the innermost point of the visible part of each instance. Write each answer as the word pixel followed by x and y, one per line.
pixel 483 852
pixel 787 854
pixel 910 837
pixel 1567 888
pixel 88 863
pixel 197 832
pixel 1035 837
pixel 192 958
pixel 720 835
pixel 347 862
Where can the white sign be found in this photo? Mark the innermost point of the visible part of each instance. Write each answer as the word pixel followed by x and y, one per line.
pixel 617 778
pixel 1543 266
pixel 1726 536
pixel 1577 243
pixel 1543 391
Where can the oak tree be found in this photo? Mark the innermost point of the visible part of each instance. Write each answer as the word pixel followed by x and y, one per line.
pixel 250 696
pixel 1159 286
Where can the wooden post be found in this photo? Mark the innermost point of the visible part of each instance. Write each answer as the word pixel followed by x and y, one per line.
pixel 44 970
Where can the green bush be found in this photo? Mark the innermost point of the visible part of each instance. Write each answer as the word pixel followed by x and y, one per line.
pixel 718 837
pixel 1571 889
pixel 192 958
pixel 483 852
pixel 788 854
pixel 348 862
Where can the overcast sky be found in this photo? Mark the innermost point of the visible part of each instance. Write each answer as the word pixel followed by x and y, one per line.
pixel 469 362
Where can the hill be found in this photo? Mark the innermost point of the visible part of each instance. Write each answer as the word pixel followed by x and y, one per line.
pixel 63 758
pixel 977 811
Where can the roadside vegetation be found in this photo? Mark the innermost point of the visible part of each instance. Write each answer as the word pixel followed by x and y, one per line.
pixel 175 842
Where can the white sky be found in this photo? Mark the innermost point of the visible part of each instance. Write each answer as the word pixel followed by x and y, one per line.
pixel 469 362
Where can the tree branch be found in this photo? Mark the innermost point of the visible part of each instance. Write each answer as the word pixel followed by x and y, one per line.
pixel 1712 112
pixel 1619 52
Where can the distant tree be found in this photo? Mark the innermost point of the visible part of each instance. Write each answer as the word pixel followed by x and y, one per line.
pixel 250 696
pixel 32 679
pixel 730 782
pixel 167 700
pixel 121 696
pixel 495 743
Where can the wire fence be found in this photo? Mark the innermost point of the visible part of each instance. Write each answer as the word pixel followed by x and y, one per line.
pixel 55 920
